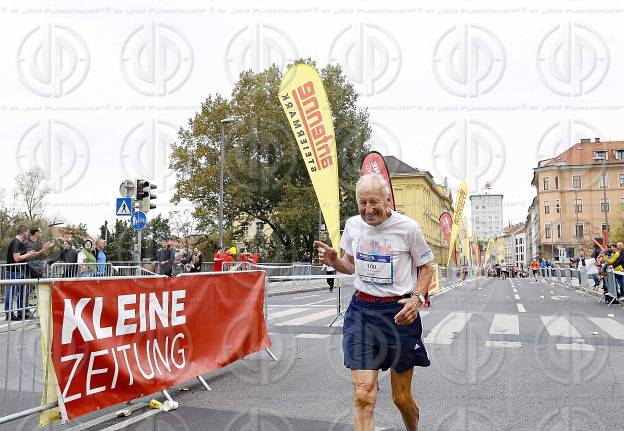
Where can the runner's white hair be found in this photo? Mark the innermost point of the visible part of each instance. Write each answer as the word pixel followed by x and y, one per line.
pixel 375 181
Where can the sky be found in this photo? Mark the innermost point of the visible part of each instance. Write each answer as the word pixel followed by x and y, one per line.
pixel 478 90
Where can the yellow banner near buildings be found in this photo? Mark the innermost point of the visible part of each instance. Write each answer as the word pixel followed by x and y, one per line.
pixel 458 214
pixel 305 103
pixel 488 251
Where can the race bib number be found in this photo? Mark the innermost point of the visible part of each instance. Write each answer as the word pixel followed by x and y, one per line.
pixel 373 268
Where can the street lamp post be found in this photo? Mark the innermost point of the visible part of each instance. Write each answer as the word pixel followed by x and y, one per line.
pixel 604 194
pixel 578 248
pixel 221 164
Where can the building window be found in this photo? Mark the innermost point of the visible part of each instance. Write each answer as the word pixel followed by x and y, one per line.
pixel 603 180
pixel 245 229
pixel 576 181
pixel 547 230
pixel 622 203
pixel 619 154
pixel 546 184
pixel 604 205
pixel 546 207
pixel 621 177
pixel 578 207
pixel 600 155
pixel 260 229
pixel 558 231
pixel 579 230
pixel 556 183
pixel 557 207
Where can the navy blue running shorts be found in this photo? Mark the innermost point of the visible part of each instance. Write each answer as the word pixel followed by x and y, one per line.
pixel 372 341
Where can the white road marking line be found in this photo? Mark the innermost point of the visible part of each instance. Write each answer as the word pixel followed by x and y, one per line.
pixel 610 326
pixel 319 302
pixel 308 318
pixel 521 308
pixel 123 424
pixel 516 296
pixel 505 324
pixel 307 296
pixel 423 313
pixel 559 326
pixel 313 336
pixel 512 344
pixel 575 346
pixel 445 331
pixel 286 312
pixel 515 290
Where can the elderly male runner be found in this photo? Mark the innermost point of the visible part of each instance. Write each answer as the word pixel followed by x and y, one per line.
pixel 382 329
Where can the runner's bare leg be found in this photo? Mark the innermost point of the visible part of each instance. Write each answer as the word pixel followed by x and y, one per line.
pixel 403 399
pixel 364 396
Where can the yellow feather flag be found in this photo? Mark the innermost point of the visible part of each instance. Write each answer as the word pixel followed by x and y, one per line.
pixel 305 103
pixel 488 251
pixel 458 214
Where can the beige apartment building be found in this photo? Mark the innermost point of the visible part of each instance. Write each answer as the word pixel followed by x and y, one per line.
pixel 575 190
pixel 419 197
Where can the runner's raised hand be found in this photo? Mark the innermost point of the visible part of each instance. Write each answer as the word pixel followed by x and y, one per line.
pixel 327 255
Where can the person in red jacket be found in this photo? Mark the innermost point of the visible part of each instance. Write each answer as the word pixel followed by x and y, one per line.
pixel 218 260
pixel 228 258
pixel 255 257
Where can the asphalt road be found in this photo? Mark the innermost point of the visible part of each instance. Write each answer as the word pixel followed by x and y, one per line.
pixel 506 355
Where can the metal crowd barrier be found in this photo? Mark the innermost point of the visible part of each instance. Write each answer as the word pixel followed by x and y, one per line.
pixel 26 386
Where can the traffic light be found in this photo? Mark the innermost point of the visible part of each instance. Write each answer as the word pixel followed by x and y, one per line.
pixel 144 195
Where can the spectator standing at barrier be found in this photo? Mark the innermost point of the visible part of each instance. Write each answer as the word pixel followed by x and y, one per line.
pixel 197 259
pixel 16 254
pixel 245 257
pixel 100 256
pixel 330 280
pixel 392 265
pixel 36 267
pixel 86 260
pixel 165 257
pixel 69 257
pixel 255 257
pixel 228 259
pixel 218 260
pixel 616 259
pixel 593 266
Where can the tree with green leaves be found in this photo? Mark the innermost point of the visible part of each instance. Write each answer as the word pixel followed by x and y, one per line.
pixel 156 230
pixel 265 176
pixel 33 189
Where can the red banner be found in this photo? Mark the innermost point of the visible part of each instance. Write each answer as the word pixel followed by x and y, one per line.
pixel 374 163
pixel 446 225
pixel 117 340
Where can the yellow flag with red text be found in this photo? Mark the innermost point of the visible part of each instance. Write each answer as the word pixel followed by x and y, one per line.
pixel 306 106
pixel 457 215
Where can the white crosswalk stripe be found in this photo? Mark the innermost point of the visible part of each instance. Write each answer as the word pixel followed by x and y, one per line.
pixel 559 326
pixel 505 324
pixel 610 326
pixel 284 313
pixel 309 318
pixel 445 331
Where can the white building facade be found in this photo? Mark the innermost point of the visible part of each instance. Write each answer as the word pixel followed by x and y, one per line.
pixel 487 215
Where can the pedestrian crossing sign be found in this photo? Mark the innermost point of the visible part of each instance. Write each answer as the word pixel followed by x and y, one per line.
pixel 124 207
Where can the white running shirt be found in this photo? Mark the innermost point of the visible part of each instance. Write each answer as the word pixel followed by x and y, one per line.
pixel 386 256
